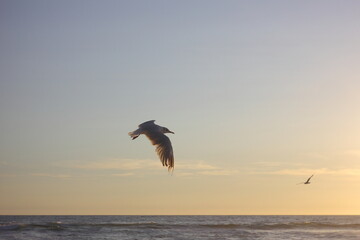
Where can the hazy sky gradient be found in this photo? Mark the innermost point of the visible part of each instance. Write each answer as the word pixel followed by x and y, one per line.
pixel 260 95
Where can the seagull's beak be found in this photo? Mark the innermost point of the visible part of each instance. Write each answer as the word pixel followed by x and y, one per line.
pixel 171 132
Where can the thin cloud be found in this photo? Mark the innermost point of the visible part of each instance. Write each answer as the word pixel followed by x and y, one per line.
pixel 137 164
pixel 274 166
pixel 184 174
pixel 330 155
pixel 182 168
pixel 123 174
pixel 195 166
pixel 3 163
pixel 353 153
pixel 219 172
pixel 307 171
pixel 269 164
pixel 120 164
pixel 50 175
pixel 9 175
pixel 316 155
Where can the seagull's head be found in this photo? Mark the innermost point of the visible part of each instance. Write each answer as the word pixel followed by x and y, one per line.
pixel 165 130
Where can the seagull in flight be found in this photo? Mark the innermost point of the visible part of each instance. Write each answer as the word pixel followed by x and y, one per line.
pixel 155 134
pixel 307 181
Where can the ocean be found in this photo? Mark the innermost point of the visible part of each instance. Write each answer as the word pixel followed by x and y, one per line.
pixel 178 227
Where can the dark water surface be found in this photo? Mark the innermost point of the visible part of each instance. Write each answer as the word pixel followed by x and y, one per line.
pixel 178 227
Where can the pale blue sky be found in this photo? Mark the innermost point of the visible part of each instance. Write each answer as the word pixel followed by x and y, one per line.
pixel 264 86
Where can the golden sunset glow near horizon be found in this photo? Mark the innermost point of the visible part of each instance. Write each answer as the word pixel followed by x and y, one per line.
pixel 260 94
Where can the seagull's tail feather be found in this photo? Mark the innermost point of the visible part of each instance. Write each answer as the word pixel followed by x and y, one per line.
pixel 135 134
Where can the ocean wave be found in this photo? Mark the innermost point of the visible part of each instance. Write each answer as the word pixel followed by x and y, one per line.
pixel 9 226
pixel 58 226
pixel 291 225
pixel 61 226
pixel 21 226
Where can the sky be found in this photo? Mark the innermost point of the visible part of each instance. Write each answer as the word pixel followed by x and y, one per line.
pixel 260 95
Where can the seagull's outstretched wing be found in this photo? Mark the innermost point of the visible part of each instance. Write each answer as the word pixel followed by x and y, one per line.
pixel 163 148
pixel 310 178
pixel 147 124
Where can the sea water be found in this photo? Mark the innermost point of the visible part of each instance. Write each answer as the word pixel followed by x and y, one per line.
pixel 178 227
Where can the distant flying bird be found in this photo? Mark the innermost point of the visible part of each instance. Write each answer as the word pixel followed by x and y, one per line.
pixel 307 181
pixel 156 135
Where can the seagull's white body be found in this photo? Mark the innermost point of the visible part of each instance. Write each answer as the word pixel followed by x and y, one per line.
pixel 156 135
